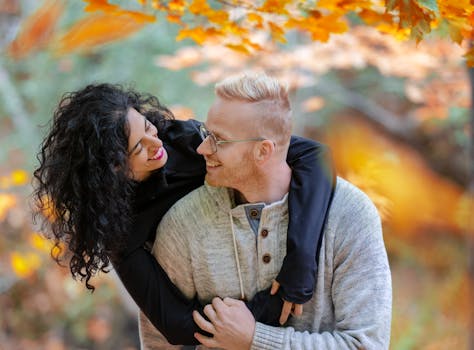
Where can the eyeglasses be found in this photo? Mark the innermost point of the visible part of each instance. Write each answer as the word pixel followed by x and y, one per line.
pixel 214 142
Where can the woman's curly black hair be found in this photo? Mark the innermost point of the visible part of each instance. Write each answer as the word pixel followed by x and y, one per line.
pixel 82 189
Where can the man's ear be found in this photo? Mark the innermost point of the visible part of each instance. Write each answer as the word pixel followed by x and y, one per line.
pixel 264 151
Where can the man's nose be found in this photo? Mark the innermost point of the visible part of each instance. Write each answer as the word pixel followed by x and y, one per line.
pixel 205 147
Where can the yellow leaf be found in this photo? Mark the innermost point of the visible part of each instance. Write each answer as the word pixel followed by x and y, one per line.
pixel 417 18
pixel 253 17
pixel 7 201
pixel 199 7
pixel 36 30
pixel 40 243
pixel 218 17
pixel 19 177
pixel 275 7
pixel 24 265
pixel 277 32
pixel 173 18
pixel 100 29
pixel 239 48
pixel 177 5
pixel 318 26
pixel 198 34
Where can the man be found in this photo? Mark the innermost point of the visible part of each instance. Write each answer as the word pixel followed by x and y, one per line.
pixel 227 239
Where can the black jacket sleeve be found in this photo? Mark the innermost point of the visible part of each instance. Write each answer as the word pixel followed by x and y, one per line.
pixel 311 190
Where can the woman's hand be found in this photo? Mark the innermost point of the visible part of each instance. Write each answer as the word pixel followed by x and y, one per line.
pixel 288 306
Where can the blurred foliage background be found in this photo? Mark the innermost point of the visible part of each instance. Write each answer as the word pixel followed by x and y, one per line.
pixel 396 115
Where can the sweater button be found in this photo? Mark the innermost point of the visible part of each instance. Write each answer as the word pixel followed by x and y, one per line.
pixel 264 233
pixel 266 258
pixel 253 213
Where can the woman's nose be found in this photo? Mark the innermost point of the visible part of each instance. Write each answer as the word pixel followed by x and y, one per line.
pixel 153 140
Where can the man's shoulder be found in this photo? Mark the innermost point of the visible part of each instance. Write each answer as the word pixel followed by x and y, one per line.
pixel 198 202
pixel 351 203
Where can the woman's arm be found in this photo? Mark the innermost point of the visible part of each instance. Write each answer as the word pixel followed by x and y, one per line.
pixel 166 307
pixel 311 190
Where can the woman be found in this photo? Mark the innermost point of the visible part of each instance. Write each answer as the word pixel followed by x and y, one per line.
pixel 108 192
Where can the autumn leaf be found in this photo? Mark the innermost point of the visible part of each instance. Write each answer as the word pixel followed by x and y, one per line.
pixel 318 26
pixel 415 15
pixel 100 5
pixel 255 18
pixel 275 7
pixel 198 34
pixel 100 29
pixel 39 242
pixel 24 264
pixel 37 30
pixel 19 177
pixel 278 34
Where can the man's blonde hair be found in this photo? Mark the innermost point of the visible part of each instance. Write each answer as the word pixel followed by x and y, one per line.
pixel 270 97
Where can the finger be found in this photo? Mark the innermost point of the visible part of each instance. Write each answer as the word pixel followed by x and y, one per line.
pixel 275 287
pixel 285 311
pixel 208 342
pixel 232 302
pixel 218 304
pixel 202 323
pixel 210 313
pixel 298 309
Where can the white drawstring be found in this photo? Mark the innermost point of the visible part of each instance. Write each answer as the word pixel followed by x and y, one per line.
pixel 242 294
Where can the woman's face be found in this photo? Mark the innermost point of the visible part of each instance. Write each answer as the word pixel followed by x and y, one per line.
pixel 145 150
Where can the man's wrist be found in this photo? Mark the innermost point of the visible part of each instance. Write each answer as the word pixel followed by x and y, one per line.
pixel 267 337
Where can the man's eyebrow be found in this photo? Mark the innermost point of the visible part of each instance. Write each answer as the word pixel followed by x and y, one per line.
pixel 136 145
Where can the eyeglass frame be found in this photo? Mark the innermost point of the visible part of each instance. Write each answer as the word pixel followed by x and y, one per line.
pixel 205 133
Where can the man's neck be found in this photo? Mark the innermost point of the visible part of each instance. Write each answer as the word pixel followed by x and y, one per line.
pixel 268 187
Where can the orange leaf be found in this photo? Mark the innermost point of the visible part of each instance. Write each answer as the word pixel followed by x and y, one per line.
pixel 198 7
pixel 413 16
pixel 253 17
pixel 177 5
pixel 198 34
pixel 100 29
pixel 278 33
pixel 275 6
pixel 100 5
pixel 37 29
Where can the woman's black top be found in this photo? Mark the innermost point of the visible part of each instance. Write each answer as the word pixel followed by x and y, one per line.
pixel 311 189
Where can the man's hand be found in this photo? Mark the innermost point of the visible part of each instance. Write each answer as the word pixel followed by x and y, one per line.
pixel 288 306
pixel 231 323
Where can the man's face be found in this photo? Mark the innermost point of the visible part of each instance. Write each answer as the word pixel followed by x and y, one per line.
pixel 233 164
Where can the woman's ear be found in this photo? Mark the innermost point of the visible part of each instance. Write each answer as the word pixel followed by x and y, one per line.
pixel 264 151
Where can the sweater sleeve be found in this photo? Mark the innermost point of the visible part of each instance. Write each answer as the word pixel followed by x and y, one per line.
pixel 311 189
pixel 360 286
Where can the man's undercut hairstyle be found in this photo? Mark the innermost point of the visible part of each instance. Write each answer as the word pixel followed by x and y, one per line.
pixel 270 96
